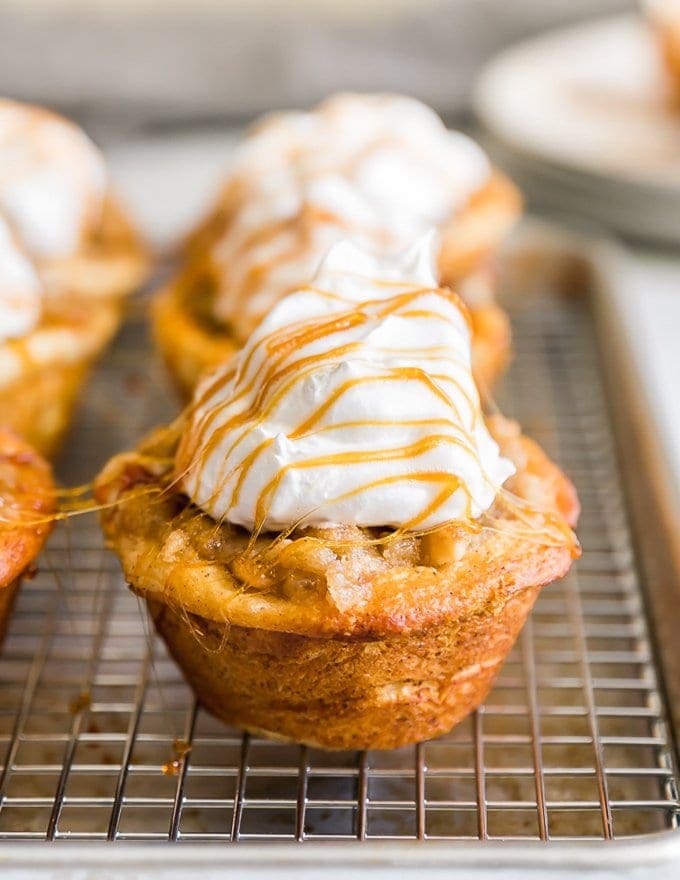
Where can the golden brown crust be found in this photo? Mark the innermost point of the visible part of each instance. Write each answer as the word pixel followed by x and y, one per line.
pixel 28 498
pixel 40 405
pixel 190 345
pixel 537 478
pixel 334 641
pixel 191 342
pixel 41 375
pixel 345 693
pixel 112 262
pixel 175 553
pixel 491 343
pixel 474 234
pixel 214 224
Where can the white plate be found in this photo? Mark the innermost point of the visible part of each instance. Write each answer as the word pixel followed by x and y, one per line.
pixel 585 109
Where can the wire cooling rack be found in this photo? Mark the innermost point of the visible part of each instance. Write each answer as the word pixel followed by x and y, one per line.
pixel 572 742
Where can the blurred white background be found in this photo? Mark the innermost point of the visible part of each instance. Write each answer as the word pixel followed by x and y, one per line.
pixel 120 63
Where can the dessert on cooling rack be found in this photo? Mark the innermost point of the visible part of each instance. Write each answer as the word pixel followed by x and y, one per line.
pixel 336 544
pixel 380 169
pixel 68 255
pixel 665 18
pixel 27 499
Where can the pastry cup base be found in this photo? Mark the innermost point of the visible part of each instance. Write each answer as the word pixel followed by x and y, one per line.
pixel 39 404
pixel 344 693
pixel 189 349
pixel 491 345
pixel 46 371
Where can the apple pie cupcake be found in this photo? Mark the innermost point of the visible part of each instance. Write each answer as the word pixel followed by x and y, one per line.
pixel 27 500
pixel 378 169
pixel 68 257
pixel 337 546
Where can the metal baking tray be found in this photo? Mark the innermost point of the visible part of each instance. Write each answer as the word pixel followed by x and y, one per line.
pixel 571 763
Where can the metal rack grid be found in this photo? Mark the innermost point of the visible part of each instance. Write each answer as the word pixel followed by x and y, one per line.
pixel 572 742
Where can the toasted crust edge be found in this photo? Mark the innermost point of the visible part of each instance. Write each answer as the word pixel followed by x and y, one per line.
pixel 401 673
pixel 31 480
pixel 161 562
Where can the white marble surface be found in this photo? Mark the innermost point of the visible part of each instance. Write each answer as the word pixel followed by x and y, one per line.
pixel 168 181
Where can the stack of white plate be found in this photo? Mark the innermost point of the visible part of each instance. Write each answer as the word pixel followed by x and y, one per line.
pixel 582 118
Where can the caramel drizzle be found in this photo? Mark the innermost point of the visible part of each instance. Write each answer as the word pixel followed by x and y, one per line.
pixel 280 378
pixel 30 136
pixel 249 299
pixel 414 450
pixel 279 375
pixel 33 144
pixel 278 345
pixel 297 335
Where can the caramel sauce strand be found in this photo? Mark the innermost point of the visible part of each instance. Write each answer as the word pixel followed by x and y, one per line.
pixel 270 369
pixel 279 345
pixel 411 451
pixel 402 374
pixel 244 467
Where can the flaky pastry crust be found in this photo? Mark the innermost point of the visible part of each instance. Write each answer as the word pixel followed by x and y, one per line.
pixel 340 638
pixel 27 499
pixel 191 342
pixel 474 234
pixel 41 374
pixel 111 263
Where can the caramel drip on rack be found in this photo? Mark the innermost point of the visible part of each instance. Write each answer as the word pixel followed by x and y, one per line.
pixel 266 383
pixel 180 749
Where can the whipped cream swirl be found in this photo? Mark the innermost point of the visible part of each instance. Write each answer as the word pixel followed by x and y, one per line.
pixel 20 289
pixel 52 186
pixel 381 168
pixel 353 402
